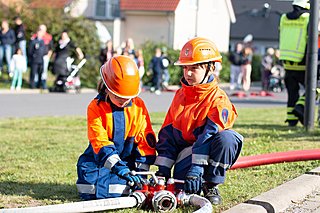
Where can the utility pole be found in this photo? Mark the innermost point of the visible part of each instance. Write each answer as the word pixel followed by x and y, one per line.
pixel 312 63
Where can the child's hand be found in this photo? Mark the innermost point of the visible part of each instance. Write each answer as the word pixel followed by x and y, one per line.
pixel 124 172
pixel 193 182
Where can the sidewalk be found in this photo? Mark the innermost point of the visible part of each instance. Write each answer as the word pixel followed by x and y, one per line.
pixel 37 91
pixel 300 195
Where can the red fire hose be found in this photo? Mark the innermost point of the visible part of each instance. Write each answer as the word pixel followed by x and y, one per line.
pixel 278 157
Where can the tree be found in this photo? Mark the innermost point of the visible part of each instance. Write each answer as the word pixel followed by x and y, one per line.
pixel 82 32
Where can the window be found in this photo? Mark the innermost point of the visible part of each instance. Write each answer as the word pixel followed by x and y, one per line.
pixel 107 9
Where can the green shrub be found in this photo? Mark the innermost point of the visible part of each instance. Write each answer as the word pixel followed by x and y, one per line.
pixel 81 31
pixel 148 52
pixel 256 67
pixel 225 72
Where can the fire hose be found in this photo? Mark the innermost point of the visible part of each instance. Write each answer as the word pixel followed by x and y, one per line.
pixel 277 157
pixel 84 206
pixel 165 198
pixel 153 195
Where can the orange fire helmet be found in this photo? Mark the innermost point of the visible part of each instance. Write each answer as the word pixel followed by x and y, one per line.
pixel 121 76
pixel 198 50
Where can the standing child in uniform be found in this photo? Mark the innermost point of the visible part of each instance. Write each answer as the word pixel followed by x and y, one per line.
pixel 196 135
pixel 36 51
pixel 156 66
pixel 18 65
pixel 120 135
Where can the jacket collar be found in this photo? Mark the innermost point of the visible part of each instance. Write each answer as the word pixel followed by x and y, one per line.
pixel 198 92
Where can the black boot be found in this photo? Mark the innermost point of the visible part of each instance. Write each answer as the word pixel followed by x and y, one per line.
pixel 299 112
pixel 292 123
pixel 211 192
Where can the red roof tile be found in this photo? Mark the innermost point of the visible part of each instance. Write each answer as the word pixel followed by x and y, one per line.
pixel 151 5
pixel 49 3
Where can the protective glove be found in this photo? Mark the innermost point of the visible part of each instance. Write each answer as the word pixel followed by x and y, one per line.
pixel 164 171
pixel 124 172
pixel 193 182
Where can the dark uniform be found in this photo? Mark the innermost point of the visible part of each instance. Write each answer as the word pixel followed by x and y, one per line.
pixel 293 42
pixel 36 51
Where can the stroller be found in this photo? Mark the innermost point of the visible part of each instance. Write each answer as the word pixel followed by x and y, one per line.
pixel 71 81
pixel 276 79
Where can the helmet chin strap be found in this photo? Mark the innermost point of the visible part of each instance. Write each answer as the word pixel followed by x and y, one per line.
pixel 207 71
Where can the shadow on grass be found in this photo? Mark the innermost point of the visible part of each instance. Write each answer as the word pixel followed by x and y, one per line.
pixel 156 124
pixel 269 127
pixel 50 191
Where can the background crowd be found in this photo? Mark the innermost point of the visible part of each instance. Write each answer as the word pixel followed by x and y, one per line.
pixel 39 53
pixel 19 51
pixel 157 68
pixel 272 72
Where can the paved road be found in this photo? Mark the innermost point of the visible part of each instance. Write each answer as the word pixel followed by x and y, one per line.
pixel 28 103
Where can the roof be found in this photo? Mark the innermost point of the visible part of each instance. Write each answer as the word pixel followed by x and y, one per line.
pixel 262 28
pixel 262 22
pixel 247 5
pixel 58 4
pixel 149 5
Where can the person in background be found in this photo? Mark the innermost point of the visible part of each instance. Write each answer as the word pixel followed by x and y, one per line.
pixel 266 66
pixel 165 68
pixel 64 49
pixel 48 42
pixel 120 135
pixel 36 51
pixel 7 40
pixel 236 61
pixel 277 60
pixel 155 66
pixel 246 66
pixel 140 64
pixel 217 70
pixel 20 33
pixel 129 47
pixel 18 66
pixel 293 49
pixel 107 52
pixel 196 137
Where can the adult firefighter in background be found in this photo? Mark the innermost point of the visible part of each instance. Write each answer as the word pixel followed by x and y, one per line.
pixel 120 135
pixel 195 137
pixel 293 47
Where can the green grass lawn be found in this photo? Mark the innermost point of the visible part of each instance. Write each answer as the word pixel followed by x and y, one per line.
pixel 38 157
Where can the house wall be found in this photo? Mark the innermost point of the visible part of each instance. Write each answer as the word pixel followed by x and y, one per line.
pixel 144 26
pixel 83 7
pixel 184 23
pixel 192 18
pixel 210 19
pixel 17 4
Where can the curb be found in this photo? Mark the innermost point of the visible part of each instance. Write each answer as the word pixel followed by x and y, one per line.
pixel 281 197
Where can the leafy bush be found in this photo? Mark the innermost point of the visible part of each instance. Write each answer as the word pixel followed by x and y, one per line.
pixel 176 71
pixel 148 52
pixel 225 72
pixel 256 68
pixel 81 31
